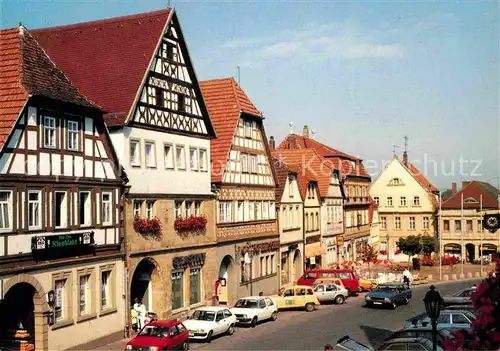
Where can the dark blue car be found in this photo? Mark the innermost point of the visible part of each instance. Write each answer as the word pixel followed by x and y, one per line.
pixel 389 294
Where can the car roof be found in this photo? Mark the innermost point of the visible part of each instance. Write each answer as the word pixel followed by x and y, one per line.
pixel 393 341
pixel 212 308
pixel 391 283
pixel 164 323
pixel 298 287
pixel 252 297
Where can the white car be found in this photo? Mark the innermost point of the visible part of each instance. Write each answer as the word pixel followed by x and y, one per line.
pixel 253 309
pixel 207 322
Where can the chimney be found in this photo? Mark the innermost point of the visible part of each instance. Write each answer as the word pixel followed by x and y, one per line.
pixel 465 183
pixel 306 131
pixel 272 143
pixel 453 188
pixel 405 158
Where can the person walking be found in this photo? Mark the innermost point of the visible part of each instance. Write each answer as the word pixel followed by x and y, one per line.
pixel 407 277
pixel 141 311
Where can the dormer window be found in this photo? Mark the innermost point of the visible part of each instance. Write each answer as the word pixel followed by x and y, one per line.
pixel 290 186
pixel 470 200
pixel 396 182
pixel 248 129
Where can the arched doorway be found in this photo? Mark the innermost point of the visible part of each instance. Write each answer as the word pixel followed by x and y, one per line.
pixel 452 249
pixel 470 249
pixel 487 249
pixel 144 279
pixel 227 273
pixel 349 252
pixel 297 266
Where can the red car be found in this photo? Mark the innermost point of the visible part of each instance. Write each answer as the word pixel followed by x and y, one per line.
pixel 349 278
pixel 159 336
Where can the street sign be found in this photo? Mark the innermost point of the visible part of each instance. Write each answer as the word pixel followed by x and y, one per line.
pixel 340 240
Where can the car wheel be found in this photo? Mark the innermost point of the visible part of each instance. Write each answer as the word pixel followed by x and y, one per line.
pixel 230 330
pixel 339 299
pixel 209 336
pixel 349 292
pixel 274 316
pixel 360 289
pixel 368 304
pixel 185 346
pixel 393 305
pixel 309 307
pixel 253 323
pixel 406 301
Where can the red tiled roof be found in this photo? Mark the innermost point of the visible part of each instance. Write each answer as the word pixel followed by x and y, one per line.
pixel 107 59
pixel 282 171
pixel 25 70
pixel 309 166
pixel 225 102
pixel 340 160
pixel 474 189
pixel 421 178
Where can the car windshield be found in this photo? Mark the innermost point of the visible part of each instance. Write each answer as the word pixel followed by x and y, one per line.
pixel 243 303
pixel 386 288
pixel 202 315
pixel 151 330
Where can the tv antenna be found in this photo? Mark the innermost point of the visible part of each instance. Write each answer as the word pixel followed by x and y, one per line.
pixel 406 143
pixel 394 147
pixel 238 74
pixel 312 133
pixel 291 127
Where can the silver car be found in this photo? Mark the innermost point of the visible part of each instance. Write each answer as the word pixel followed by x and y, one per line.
pixel 330 292
pixel 462 297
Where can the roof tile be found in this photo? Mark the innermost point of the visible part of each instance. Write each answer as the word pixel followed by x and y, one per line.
pixel 474 189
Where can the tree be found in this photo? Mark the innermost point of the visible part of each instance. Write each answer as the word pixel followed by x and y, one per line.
pixel 485 331
pixel 411 245
pixel 429 244
pixel 368 254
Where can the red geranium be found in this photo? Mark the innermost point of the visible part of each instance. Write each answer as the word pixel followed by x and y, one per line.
pixel 147 226
pixel 191 223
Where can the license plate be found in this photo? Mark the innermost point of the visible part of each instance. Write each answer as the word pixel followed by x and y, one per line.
pixel 377 303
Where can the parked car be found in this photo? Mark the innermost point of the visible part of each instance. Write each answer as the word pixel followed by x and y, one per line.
pixel 349 278
pixel 389 294
pixel 366 285
pixel 346 343
pixel 421 332
pixel 250 310
pixel 298 296
pixel 408 344
pixel 330 292
pixel 161 335
pixel 469 308
pixel 337 281
pixel 207 322
pixel 454 319
pixel 462 297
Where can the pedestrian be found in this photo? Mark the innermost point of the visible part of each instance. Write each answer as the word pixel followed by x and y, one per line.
pixel 141 311
pixel 407 277
pixel 133 318
pixel 328 347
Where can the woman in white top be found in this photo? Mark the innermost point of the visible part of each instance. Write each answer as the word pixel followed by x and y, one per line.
pixel 141 311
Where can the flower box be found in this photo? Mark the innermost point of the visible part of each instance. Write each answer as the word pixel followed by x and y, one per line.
pixel 146 226
pixel 191 223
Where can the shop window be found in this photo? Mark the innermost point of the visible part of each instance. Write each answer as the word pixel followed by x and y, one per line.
pixel 177 290
pixel 195 286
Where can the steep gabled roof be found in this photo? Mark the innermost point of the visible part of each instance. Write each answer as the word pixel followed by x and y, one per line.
pixel 424 182
pixel 474 189
pixel 282 172
pixel 26 70
pixel 107 59
pixel 225 101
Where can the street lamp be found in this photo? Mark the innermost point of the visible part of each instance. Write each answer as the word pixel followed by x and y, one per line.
pixel 433 304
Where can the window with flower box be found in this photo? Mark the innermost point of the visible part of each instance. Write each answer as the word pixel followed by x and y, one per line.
pixel 197 208
pixel 137 207
pixel 189 208
pixel 149 209
pixel 178 208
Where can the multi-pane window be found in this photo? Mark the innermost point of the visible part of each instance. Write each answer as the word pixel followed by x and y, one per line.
pixel 258 210
pixel 177 208
pixel 458 225
pixel 251 211
pixel 193 159
pixel 84 287
pixel 181 103
pixel 446 225
pixel 203 160
pixel 411 223
pixel 253 164
pixel 248 129
pixel 135 153
pixel 5 209
pixel 73 136
pixel 389 201
pixel 59 289
pixel 402 201
pixel 106 209
pixel 34 208
pixel 194 285
pixel 180 157
pixel 168 154
pixel 272 210
pixel 105 293
pixel 240 211
pixel 137 207
pixel 177 290
pixel 49 131
pixel 425 223
pixel 84 209
pixel 244 162
pixel 197 208
pixel 150 150
pixel 469 226
pixel 397 222
pixel 189 210
pixel 416 201
pixel 383 222
pixel 160 97
pixel 225 212
pixel 149 209
pixel 376 199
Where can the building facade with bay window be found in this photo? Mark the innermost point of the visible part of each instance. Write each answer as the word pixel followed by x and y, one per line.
pixel 161 131
pixel 244 181
pixel 61 186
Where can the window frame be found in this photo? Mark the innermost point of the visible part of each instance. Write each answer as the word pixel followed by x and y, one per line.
pixel 181 275
pixel 10 209
pixel 203 165
pixel 389 202
pixel 397 222
pixel 62 308
pixel 86 303
pixel 178 209
pixel 65 206
pixel 107 288
pixel 403 202
pixel 200 285
pixel 412 223
pixel 165 155
pixel 194 165
pixel 40 208
pixel 247 126
pixel 425 222
pixel 244 162
pixel 76 133
pixel 416 201
pixel 53 129
pixel 150 215
pixel 106 221
pixel 383 222
pixel 135 161
pixel 151 156
pixel 134 209
pixel 88 218
pixel 180 167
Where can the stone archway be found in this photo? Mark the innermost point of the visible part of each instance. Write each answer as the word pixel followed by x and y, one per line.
pixel 146 285
pixel 227 272
pixel 470 249
pixel 297 265
pixel 25 301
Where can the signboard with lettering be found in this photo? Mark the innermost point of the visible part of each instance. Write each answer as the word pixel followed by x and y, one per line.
pixel 62 245
pixel 340 240
pixel 188 261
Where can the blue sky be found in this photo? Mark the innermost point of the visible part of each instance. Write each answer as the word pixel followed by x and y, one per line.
pixel 361 74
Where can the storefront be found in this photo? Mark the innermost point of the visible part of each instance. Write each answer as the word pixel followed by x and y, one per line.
pixel 292 263
pixel 314 254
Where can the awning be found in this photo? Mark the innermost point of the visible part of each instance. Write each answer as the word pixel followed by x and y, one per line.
pixel 314 249
pixel 489 247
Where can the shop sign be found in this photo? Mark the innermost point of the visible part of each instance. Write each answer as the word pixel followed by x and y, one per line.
pixel 313 239
pixel 293 247
pixel 188 261
pixel 340 240
pixel 63 245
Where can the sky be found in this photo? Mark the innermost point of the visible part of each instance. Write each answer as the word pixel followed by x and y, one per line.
pixel 360 74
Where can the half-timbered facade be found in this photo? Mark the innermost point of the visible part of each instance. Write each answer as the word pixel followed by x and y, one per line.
pixel 243 177
pixel 61 263
pixel 290 215
pixel 161 131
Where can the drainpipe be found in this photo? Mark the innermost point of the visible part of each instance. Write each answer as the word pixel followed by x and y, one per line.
pixel 125 274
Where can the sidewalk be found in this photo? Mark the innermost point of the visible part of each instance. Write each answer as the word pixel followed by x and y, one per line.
pixel 470 271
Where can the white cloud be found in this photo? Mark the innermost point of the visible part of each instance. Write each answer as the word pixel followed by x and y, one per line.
pixel 315 42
